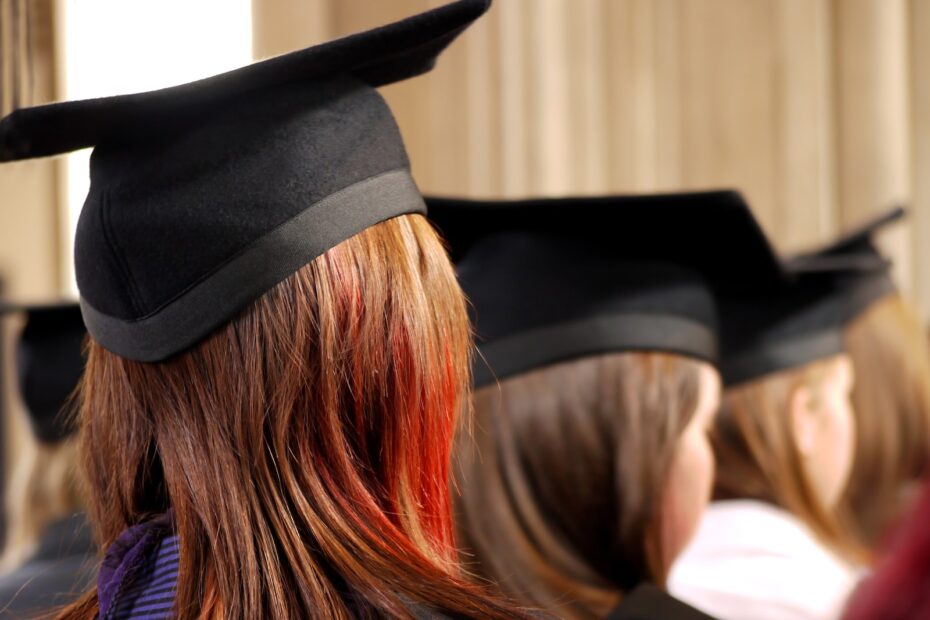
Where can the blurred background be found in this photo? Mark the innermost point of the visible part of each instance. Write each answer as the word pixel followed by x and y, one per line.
pixel 818 110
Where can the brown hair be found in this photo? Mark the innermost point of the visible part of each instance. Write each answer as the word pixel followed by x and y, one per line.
pixel 304 447
pixel 758 456
pixel 891 399
pixel 561 486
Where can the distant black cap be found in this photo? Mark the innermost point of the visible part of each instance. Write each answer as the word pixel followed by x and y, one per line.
pixel 206 195
pixel 862 287
pixel 789 327
pixel 49 365
pixel 550 280
pixel 802 322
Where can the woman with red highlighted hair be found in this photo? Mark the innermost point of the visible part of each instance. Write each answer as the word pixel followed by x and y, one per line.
pixel 279 348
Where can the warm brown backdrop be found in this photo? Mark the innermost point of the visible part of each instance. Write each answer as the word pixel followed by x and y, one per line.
pixel 818 109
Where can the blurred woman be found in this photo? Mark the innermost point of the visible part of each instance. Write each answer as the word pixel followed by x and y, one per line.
pixel 891 398
pixel 770 545
pixel 278 345
pixel 49 558
pixel 589 466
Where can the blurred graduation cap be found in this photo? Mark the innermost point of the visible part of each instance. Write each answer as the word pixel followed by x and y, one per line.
pixel 803 321
pixel 206 195
pixel 862 287
pixel 550 280
pixel 49 364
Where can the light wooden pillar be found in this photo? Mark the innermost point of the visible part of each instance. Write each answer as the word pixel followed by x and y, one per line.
pixel 280 26
pixel 30 260
pixel 920 149
pixel 872 111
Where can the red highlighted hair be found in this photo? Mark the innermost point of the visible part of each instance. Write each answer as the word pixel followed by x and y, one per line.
pixel 304 446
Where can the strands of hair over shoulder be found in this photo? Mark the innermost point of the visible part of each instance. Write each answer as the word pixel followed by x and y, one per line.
pixel 891 402
pixel 562 483
pixel 305 446
pixel 758 456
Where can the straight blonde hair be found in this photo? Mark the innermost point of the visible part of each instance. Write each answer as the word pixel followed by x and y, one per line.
pixel 758 456
pixel 891 398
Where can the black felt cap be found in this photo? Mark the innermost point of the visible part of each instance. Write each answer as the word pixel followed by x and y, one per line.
pixel 859 288
pixel 49 365
pixel 791 325
pixel 550 280
pixel 204 196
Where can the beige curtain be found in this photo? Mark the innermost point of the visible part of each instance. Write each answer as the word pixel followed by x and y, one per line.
pixel 819 110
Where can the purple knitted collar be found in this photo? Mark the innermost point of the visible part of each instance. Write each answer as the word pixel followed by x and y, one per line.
pixel 128 554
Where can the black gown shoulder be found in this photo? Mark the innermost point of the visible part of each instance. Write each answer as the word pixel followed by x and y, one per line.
pixel 649 602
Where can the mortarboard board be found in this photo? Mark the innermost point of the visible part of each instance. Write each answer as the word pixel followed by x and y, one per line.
pixel 858 241
pixel 204 196
pixel 860 288
pixel 550 280
pixel 49 365
pixel 790 325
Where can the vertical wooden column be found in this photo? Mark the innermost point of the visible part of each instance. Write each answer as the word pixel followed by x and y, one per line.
pixel 806 212
pixel 920 149
pixel 280 26
pixel 30 261
pixel 515 97
pixel 872 112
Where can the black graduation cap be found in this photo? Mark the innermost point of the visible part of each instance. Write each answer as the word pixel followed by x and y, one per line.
pixel 788 327
pixel 802 321
pixel 204 196
pixel 862 287
pixel 49 365
pixel 555 279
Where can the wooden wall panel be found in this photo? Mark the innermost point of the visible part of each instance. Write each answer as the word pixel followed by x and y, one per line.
pixel 280 26
pixel 30 221
pixel 873 121
pixel 816 109
pixel 631 86
pixel 920 147
pixel 805 210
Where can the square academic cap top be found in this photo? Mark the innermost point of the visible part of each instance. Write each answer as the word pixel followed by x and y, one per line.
pixel 859 287
pixel 550 280
pixel 206 195
pixel 791 325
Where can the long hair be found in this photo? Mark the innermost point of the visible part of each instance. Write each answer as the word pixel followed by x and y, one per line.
pixel 304 447
pixel 891 399
pixel 759 458
pixel 561 484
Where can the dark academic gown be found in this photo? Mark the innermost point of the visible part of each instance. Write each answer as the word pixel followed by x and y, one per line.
pixel 62 568
pixel 649 602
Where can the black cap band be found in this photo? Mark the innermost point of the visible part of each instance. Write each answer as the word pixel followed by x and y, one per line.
pixel 269 260
pixel 784 355
pixel 593 336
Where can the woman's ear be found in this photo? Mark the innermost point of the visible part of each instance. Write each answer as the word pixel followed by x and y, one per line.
pixel 803 420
